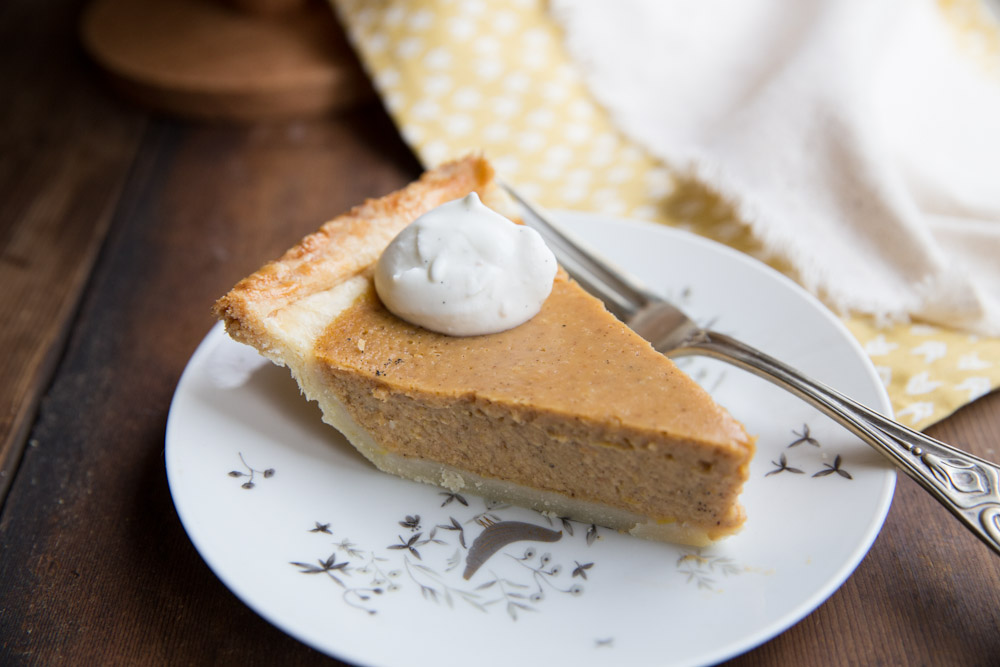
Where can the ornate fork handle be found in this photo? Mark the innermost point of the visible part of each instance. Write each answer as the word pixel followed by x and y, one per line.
pixel 967 485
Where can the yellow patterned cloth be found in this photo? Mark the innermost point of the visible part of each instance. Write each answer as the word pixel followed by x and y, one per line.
pixel 491 75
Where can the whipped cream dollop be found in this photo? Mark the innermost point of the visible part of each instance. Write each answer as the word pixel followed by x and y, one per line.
pixel 463 269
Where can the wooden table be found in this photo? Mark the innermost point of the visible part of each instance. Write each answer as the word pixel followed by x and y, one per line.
pixel 118 230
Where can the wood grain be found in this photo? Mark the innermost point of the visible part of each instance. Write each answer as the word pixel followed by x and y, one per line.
pixel 66 150
pixel 204 59
pixel 95 567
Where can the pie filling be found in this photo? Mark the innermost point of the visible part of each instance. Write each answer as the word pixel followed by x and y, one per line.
pixel 509 406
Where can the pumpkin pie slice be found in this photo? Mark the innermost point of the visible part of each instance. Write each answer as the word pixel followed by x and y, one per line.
pixel 570 413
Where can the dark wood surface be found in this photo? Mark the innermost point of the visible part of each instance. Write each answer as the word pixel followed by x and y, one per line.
pixel 118 231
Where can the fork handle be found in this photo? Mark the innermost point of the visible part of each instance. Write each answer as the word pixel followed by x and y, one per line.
pixel 967 485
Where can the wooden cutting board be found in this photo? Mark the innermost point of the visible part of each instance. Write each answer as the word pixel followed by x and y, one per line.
pixel 238 60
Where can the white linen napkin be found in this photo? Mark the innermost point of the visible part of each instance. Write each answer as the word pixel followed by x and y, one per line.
pixel 859 139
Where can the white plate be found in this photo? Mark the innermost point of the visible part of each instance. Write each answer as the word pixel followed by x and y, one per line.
pixel 369 568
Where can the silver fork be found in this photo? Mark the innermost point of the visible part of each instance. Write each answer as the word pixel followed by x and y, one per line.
pixel 967 485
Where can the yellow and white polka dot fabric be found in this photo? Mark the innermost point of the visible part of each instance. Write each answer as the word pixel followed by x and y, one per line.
pixel 491 75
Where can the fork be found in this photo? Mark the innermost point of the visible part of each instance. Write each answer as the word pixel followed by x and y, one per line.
pixel 965 484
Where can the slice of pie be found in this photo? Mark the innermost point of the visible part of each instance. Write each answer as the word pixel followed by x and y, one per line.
pixel 571 413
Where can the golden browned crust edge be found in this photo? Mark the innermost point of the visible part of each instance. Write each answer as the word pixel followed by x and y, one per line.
pixel 319 261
